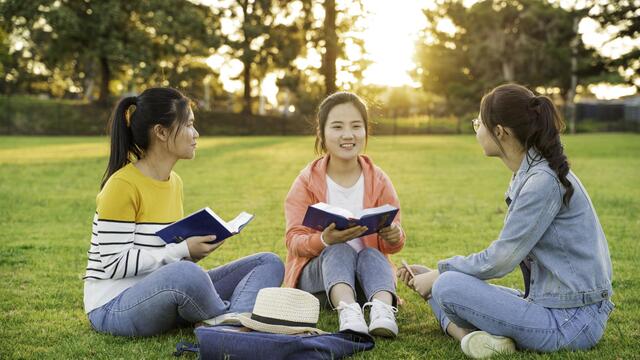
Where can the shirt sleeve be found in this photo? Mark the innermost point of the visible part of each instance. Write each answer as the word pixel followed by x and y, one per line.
pixel 531 214
pixel 389 196
pixel 300 240
pixel 116 225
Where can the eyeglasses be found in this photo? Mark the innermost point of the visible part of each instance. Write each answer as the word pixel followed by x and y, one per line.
pixel 476 124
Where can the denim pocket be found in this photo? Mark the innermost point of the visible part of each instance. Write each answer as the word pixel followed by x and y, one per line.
pixel 582 330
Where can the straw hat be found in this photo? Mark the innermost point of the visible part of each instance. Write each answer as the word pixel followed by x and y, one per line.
pixel 284 311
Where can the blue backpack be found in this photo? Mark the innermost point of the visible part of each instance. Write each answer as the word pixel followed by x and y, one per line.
pixel 233 343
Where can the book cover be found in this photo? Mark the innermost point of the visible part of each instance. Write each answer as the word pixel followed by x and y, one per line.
pixel 204 222
pixel 321 215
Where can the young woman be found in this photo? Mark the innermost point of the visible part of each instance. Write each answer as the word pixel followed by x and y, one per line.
pixel 343 264
pixel 135 284
pixel 551 229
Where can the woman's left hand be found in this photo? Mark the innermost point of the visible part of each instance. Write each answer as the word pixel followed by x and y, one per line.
pixel 423 283
pixel 391 233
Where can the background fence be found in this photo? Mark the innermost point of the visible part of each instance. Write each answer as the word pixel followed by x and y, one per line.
pixel 22 115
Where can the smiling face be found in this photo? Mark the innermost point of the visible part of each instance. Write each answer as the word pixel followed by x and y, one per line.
pixel 344 132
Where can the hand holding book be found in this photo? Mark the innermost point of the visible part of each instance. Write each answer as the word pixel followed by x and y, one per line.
pixel 201 246
pixel 332 236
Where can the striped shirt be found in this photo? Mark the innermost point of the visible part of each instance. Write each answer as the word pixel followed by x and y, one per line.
pixel 124 248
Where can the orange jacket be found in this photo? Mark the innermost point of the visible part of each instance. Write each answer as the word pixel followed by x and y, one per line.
pixel 310 187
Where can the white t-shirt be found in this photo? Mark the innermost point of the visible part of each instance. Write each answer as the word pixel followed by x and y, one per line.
pixel 351 198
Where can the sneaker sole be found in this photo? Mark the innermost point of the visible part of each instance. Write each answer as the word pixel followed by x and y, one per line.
pixel 383 332
pixel 480 345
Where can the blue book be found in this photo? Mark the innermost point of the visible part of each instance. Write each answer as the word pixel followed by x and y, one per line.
pixel 201 223
pixel 321 215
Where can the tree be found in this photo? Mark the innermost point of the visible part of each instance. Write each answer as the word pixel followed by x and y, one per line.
pixel 267 39
pixel 625 16
pixel 110 38
pixel 495 41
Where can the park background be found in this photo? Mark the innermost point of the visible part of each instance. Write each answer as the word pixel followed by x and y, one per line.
pixel 257 70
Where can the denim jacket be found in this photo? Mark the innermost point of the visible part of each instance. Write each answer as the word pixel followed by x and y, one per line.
pixel 563 248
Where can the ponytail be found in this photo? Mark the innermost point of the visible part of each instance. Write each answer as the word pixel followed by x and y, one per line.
pixel 130 127
pixel 546 139
pixel 122 142
pixel 535 122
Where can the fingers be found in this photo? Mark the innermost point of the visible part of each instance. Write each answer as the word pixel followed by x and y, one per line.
pixel 217 245
pixel 350 233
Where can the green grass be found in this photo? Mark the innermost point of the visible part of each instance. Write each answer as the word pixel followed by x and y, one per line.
pixel 452 202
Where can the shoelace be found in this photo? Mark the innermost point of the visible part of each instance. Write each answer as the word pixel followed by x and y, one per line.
pixel 350 312
pixel 385 309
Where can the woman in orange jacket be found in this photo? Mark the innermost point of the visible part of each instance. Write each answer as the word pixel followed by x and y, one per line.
pixel 341 263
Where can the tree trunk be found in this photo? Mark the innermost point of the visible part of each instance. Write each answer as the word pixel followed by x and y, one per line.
pixel 508 71
pixel 246 103
pixel 331 47
pixel 571 94
pixel 103 98
pixel 246 60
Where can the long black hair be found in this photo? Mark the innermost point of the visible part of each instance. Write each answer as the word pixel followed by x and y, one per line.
pixel 133 118
pixel 535 122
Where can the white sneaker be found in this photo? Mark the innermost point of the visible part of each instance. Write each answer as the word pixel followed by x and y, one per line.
pixel 382 319
pixel 481 344
pixel 351 318
pixel 225 319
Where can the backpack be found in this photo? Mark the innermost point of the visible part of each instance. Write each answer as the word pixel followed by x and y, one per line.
pixel 235 343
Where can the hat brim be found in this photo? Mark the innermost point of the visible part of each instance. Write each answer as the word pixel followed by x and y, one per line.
pixel 278 329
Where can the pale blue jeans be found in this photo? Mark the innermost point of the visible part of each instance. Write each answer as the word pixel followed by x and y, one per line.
pixel 473 304
pixel 182 293
pixel 366 272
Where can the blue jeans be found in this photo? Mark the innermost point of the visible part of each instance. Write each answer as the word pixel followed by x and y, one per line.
pixel 473 304
pixel 182 293
pixel 340 263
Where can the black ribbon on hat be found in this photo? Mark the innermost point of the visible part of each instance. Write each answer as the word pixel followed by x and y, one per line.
pixel 273 321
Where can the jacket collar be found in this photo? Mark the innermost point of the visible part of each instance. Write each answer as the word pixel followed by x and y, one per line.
pixel 531 159
pixel 316 174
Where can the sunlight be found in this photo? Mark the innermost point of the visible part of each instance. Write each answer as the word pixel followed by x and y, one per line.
pixel 391 32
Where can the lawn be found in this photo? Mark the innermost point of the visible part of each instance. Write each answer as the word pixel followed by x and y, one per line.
pixel 452 203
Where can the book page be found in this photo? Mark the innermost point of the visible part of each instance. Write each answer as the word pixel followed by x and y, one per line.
pixel 239 222
pixel 334 210
pixel 376 210
pixel 215 216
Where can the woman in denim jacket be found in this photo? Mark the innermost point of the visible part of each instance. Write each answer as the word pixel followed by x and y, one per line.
pixel 551 230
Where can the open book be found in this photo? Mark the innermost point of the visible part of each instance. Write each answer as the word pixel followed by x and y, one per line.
pixel 321 215
pixel 204 222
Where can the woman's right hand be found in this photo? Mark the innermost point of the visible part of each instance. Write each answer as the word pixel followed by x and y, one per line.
pixel 332 236
pixel 200 246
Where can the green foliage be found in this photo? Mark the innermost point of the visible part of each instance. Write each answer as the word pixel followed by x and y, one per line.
pixel 452 203
pixel 137 42
pixel 625 16
pixel 496 41
pixel 264 42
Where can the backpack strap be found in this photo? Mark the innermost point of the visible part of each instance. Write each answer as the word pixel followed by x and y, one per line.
pixel 183 346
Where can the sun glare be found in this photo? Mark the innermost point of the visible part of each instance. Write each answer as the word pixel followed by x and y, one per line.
pixel 391 31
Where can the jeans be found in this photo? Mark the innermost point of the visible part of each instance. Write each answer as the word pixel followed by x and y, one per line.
pixel 340 263
pixel 473 304
pixel 182 293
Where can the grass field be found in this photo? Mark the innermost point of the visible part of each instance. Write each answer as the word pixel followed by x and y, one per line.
pixel 452 203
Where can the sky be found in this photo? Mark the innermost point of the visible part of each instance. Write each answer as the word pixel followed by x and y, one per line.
pixel 391 29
